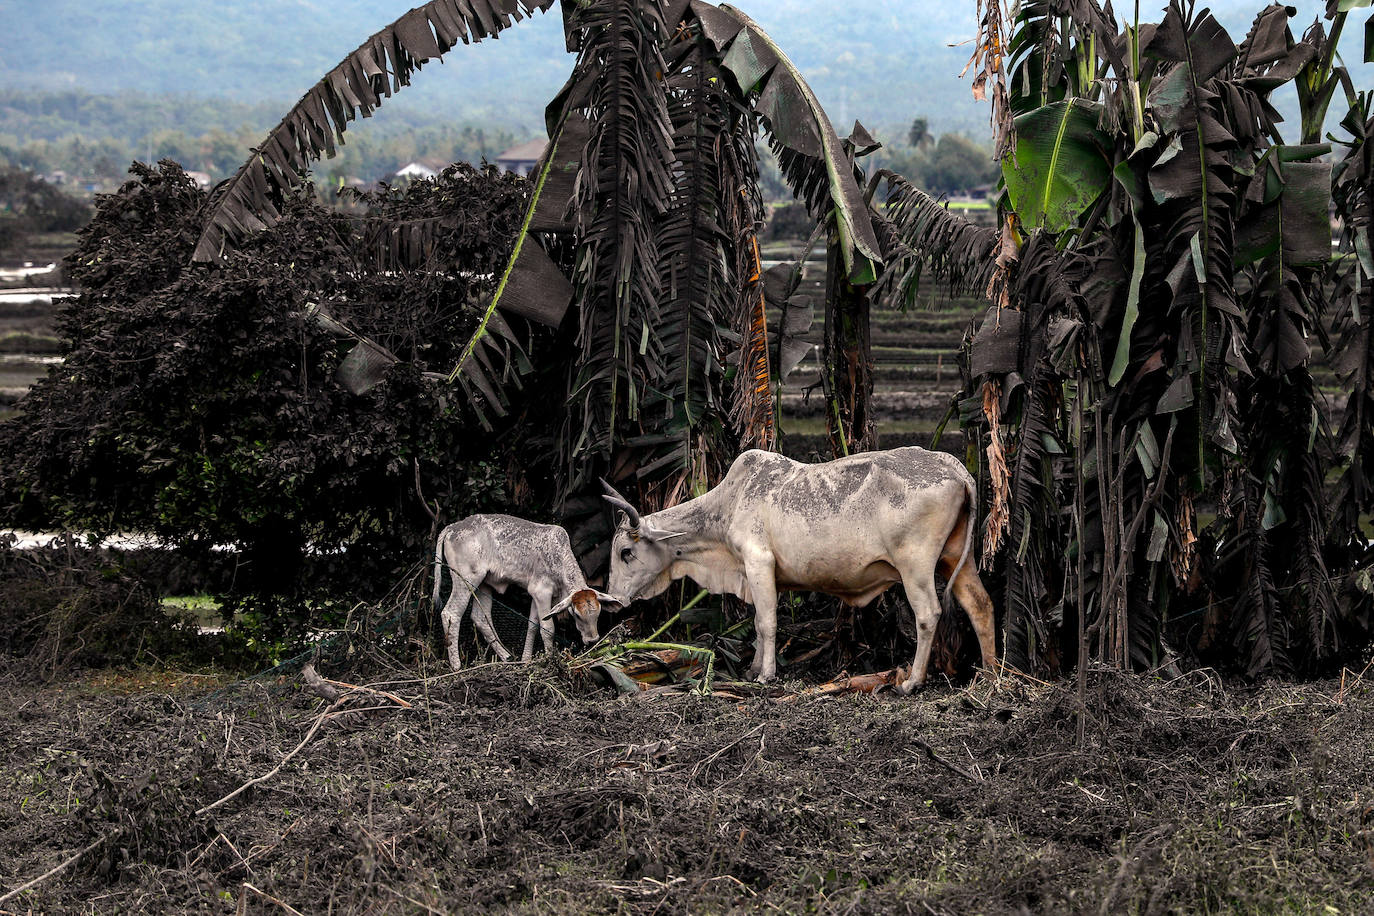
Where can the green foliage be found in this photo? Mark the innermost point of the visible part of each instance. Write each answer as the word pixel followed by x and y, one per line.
pixel 1058 168
pixel 201 405
pixel 952 165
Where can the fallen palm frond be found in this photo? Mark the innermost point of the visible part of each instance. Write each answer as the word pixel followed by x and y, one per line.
pixel 634 667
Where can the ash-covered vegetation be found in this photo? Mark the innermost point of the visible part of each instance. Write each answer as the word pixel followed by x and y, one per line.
pixel 204 405
pixel 526 790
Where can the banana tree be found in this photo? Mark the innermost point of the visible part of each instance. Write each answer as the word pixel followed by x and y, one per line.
pixel 641 228
pixel 1151 367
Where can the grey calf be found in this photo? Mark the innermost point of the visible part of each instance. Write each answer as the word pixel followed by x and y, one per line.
pixel 486 554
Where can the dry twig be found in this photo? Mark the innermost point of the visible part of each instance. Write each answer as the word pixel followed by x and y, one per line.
pixel 243 900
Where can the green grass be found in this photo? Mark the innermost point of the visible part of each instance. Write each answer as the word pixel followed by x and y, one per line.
pixel 202 609
pixel 815 426
pixel 23 342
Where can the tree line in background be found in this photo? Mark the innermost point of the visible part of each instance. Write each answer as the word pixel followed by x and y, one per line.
pixel 87 135
pixel 86 152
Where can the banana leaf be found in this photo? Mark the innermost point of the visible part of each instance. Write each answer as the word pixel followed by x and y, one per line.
pixel 812 155
pixel 1058 168
pixel 379 67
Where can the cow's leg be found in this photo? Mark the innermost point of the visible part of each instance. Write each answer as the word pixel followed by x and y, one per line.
pixel 918 580
pixel 758 570
pixel 974 599
pixel 481 619
pixel 541 599
pixel 463 583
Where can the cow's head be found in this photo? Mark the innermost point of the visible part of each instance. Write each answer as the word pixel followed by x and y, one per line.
pixel 641 555
pixel 585 606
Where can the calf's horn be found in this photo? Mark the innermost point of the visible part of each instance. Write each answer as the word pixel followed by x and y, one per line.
pixel 620 502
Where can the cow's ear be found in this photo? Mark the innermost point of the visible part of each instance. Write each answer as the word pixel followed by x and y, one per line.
pixel 622 521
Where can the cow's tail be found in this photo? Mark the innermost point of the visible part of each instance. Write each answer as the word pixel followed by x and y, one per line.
pixel 438 569
pixel 971 504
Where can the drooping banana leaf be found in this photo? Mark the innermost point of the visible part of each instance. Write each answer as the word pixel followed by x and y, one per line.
pixel 810 153
pixel 926 235
pixel 1058 168
pixel 796 314
pixel 532 286
pixel 379 67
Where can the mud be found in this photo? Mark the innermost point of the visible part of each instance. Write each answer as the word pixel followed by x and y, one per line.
pixel 526 788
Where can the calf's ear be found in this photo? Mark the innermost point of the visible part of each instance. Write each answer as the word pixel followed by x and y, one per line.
pixel 609 600
pixel 558 608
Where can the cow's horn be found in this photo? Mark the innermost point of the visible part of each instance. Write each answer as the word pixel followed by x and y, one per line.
pixel 620 502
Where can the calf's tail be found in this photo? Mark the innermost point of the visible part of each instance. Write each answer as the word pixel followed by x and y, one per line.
pixel 971 507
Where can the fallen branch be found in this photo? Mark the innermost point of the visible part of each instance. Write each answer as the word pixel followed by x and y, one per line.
pixel 953 768
pixel 243 900
pixel 329 688
pixel 55 871
pixel 315 726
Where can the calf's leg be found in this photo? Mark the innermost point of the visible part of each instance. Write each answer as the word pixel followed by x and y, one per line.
pixel 534 623
pixel 541 600
pixel 464 583
pixel 481 619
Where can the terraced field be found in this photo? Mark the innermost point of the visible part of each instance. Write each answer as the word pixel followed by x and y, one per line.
pixel 915 371
pixel 28 342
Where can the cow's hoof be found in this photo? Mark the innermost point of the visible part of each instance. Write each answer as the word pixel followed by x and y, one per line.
pixel 907 688
pixel 761 678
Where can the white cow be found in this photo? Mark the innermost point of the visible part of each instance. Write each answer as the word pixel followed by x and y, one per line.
pixel 849 528
pixel 486 554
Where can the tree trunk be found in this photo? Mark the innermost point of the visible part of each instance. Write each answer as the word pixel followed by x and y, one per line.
pixel 848 360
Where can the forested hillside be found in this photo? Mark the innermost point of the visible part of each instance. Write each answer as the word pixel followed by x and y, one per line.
pixel 880 61
pixel 87 86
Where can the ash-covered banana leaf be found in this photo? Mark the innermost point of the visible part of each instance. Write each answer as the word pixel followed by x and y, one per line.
pixel 624 187
pixel 532 286
pixel 379 67
pixel 813 158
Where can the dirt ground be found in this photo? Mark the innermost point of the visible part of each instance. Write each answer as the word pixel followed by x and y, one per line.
pixel 526 788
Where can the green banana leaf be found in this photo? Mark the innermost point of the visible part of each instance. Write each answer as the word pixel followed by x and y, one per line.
pixel 1058 168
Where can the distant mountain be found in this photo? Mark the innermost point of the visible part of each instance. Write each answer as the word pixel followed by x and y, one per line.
pixel 882 61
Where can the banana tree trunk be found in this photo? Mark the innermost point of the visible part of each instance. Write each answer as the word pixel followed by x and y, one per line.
pixel 847 357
